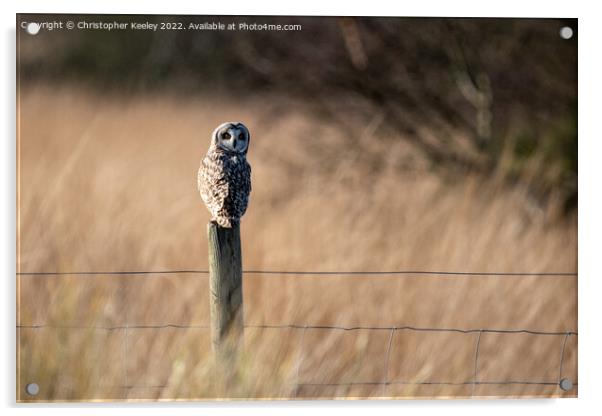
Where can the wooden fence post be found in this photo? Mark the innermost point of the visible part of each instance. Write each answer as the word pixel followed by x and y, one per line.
pixel 225 288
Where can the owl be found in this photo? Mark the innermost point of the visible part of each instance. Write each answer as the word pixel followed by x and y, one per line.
pixel 224 178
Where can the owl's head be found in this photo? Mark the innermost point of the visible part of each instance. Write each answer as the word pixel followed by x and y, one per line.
pixel 232 137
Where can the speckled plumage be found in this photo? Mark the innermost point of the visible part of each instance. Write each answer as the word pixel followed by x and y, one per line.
pixel 224 178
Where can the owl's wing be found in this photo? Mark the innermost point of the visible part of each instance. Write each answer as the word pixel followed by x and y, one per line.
pixel 247 176
pixel 243 188
pixel 212 182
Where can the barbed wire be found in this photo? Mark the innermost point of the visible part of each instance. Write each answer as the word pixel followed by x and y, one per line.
pixel 410 328
pixel 437 383
pixel 378 383
pixel 112 328
pixel 304 327
pixel 407 273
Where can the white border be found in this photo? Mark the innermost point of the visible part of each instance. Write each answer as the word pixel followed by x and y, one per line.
pixel 508 8
pixel 590 202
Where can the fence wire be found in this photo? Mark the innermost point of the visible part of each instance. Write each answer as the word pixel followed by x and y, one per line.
pixel 385 381
pixel 386 366
pixel 304 273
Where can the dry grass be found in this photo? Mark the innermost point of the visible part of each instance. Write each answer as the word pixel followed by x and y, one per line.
pixel 109 183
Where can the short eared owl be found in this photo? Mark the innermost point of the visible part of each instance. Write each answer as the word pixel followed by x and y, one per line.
pixel 224 178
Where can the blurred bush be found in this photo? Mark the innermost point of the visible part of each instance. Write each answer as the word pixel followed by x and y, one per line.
pixel 467 93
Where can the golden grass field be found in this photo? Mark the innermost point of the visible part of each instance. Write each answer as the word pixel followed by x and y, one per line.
pixel 108 183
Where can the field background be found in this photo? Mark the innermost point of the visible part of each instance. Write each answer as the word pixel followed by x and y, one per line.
pixel 107 182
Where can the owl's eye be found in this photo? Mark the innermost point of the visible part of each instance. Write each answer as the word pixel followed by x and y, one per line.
pixel 241 136
pixel 226 136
